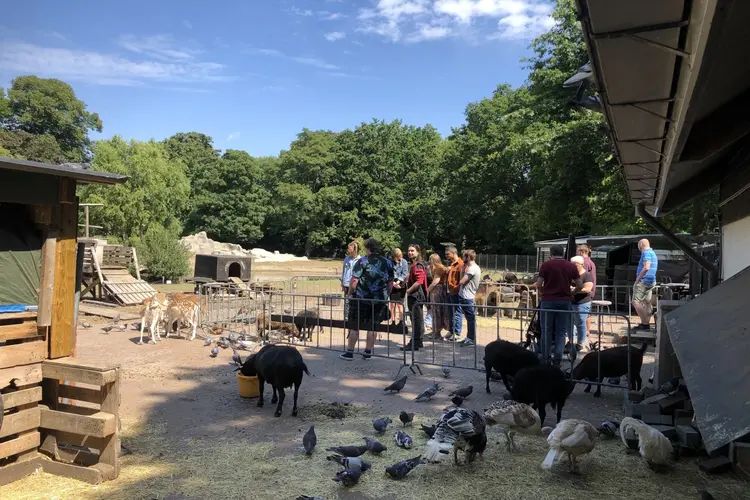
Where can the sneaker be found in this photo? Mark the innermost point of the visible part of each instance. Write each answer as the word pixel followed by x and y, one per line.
pixel 348 355
pixel 367 354
pixel 579 347
pixel 467 343
pixel 407 347
pixel 642 327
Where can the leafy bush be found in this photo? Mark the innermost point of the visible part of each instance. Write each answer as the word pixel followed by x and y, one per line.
pixel 163 254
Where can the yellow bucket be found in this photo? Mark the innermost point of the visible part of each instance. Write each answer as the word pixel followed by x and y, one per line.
pixel 248 386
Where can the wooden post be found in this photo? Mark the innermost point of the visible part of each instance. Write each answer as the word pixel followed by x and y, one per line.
pixel 86 222
pixel 79 278
pixel 46 286
pixel 135 264
pixel 110 453
pixel 62 336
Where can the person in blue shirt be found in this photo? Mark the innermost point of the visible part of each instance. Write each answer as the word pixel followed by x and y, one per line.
pixel 644 284
pixel 352 256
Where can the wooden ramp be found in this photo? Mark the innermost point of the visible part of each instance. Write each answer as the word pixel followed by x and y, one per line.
pixel 126 289
pixel 112 275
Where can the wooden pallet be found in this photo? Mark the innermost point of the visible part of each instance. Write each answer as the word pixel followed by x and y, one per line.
pixel 14 326
pixel 19 433
pixel 126 289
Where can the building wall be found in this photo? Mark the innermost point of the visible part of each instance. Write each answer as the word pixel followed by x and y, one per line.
pixel 735 222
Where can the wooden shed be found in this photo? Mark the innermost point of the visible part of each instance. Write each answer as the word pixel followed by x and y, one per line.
pixel 57 413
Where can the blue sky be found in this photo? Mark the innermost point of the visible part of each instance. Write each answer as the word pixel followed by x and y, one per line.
pixel 252 74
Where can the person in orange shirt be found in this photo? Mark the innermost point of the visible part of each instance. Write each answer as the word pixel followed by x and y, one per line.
pixel 455 271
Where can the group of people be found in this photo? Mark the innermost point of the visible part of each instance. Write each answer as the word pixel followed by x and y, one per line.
pixel 568 288
pixel 376 288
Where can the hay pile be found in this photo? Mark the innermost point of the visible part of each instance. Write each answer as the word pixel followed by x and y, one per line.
pixel 237 468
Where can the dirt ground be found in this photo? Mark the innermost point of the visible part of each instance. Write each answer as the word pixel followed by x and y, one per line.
pixel 187 434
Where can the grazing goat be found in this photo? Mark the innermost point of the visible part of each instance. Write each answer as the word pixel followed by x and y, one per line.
pixel 506 358
pixel 614 363
pixel 152 313
pixel 281 366
pixel 541 384
pixel 306 320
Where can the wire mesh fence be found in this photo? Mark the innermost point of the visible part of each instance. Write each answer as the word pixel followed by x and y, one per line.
pixel 510 263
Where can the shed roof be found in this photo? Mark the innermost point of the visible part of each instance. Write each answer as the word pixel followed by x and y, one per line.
pixel 84 176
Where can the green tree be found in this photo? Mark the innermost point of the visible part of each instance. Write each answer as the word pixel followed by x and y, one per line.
pixel 47 106
pixel 21 144
pixel 155 194
pixel 163 254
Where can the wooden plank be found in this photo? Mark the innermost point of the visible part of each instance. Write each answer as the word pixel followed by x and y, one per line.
pixel 25 442
pixel 47 279
pixel 24 420
pixel 23 397
pixel 110 454
pixel 18 330
pixel 135 264
pixel 24 375
pixel 78 409
pixel 57 450
pixel 106 312
pixel 19 315
pixel 17 471
pixel 67 193
pixel 89 475
pixel 97 266
pixel 22 354
pixel 92 442
pixel 99 424
pixel 76 370
pixel 62 335
pixel 80 394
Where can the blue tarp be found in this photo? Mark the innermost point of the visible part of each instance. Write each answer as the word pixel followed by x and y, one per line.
pixel 14 308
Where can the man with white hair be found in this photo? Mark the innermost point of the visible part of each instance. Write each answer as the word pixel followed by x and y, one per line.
pixel 644 283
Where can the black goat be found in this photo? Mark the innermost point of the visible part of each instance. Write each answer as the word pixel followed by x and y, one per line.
pixel 614 363
pixel 280 366
pixel 541 384
pixel 307 319
pixel 506 358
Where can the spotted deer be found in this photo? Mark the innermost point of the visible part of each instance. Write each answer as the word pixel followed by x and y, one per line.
pixel 152 313
pixel 185 311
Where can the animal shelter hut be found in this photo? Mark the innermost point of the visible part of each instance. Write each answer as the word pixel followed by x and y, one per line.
pixel 57 413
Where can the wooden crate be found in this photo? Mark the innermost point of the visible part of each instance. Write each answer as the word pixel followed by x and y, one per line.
pixel 19 432
pixel 79 420
pixel 21 325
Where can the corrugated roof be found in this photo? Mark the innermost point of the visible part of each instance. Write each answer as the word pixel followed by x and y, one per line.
pixel 71 172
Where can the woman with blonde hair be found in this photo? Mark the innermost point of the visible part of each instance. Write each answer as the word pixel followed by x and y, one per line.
pixel 436 292
pixel 400 272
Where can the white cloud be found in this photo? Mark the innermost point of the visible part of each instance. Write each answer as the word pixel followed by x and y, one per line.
pixel 334 36
pixel 232 136
pixel 101 68
pixel 330 16
pixel 308 61
pixel 163 47
pixel 423 20
pixel 59 36
pixel 301 12
pixel 187 24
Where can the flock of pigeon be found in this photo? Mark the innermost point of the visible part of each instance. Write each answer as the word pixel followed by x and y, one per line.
pixel 235 342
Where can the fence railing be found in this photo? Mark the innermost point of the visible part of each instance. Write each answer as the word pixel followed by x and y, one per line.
pixel 318 321
pixel 513 263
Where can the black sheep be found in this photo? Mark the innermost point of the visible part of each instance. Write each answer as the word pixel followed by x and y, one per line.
pixel 306 320
pixel 541 384
pixel 506 358
pixel 614 363
pixel 280 366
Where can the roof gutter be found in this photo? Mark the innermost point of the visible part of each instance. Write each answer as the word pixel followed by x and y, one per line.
pixel 713 271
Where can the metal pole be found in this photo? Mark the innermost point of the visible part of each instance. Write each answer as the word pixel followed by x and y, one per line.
pixel 86 222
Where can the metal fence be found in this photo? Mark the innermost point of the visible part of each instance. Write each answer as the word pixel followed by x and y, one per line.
pixel 512 263
pixel 280 317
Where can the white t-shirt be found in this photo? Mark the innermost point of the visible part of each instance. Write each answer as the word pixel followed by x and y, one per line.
pixel 469 290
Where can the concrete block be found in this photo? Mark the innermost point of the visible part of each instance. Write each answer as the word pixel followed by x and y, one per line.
pixel 673 402
pixel 715 465
pixel 669 431
pixel 655 398
pixel 646 409
pixel 741 454
pixel 683 417
pixel 687 405
pixel 688 436
pixel 635 396
pixel 649 391
pixel 659 419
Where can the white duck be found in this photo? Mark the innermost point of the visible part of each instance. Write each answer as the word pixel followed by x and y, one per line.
pixel 570 437
pixel 513 417
pixel 652 444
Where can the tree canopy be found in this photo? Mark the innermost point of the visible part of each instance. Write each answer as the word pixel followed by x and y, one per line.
pixel 526 164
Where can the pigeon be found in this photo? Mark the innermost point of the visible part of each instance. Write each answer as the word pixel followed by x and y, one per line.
pixel 85 325
pixel 446 372
pixel 457 400
pixel 136 326
pixel 224 343
pixel 116 319
pixel 463 392
pixel 124 327
pixel 350 462
pixel 348 477
pixel 427 394
pixel 348 451
pixel 107 329
pixel 208 342
pixel 374 445
pixel 381 424
pixel 403 439
pixel 214 352
pixel 397 385
pixel 232 338
pixel 608 428
pixel 236 358
pixel 406 418
pixel 429 430
pixel 309 440
pixel 400 469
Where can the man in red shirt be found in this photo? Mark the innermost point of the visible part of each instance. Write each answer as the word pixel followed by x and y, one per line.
pixel 555 279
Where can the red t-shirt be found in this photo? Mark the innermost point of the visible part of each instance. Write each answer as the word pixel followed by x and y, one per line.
pixel 417 274
pixel 558 275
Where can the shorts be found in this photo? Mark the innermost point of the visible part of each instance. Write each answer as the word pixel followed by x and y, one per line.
pixel 364 314
pixel 642 291
pixel 399 293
